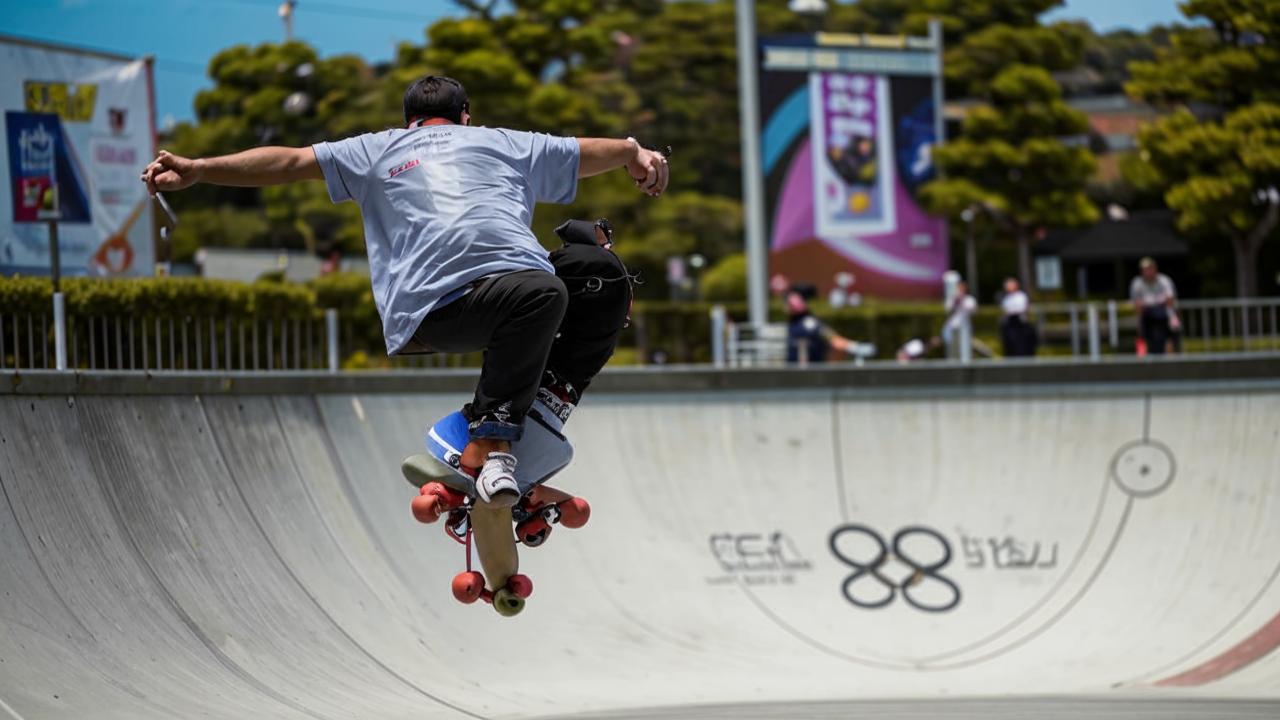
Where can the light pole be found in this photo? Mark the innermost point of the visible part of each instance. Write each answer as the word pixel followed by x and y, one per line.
pixel 752 173
pixel 968 215
pixel 285 11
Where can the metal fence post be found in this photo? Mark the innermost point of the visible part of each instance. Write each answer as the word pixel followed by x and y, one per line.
pixel 966 339
pixel 331 337
pixel 1113 328
pixel 1095 352
pixel 60 331
pixel 718 315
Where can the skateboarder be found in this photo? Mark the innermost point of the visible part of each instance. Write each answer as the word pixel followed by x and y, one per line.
pixel 455 267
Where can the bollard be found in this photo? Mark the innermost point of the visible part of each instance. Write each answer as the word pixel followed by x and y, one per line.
pixel 331 337
pixel 60 331
pixel 719 318
pixel 966 340
pixel 1095 352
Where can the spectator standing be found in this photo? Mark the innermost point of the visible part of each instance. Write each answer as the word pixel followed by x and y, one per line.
pixel 1017 335
pixel 959 313
pixel 1153 297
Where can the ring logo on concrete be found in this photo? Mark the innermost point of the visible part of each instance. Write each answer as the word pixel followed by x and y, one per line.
pixel 894 569
pixel 1143 468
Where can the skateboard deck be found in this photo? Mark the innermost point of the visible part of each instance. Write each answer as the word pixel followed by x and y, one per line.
pixel 540 453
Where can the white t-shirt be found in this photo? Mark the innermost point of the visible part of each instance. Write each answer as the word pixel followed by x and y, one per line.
pixel 1156 292
pixel 960 309
pixel 445 205
pixel 1015 303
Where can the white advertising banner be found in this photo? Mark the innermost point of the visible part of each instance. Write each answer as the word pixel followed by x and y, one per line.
pixel 104 106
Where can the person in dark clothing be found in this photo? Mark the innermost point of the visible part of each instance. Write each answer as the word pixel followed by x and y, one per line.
pixel 808 338
pixel 1017 334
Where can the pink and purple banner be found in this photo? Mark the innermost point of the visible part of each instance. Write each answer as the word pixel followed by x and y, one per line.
pixel 845 155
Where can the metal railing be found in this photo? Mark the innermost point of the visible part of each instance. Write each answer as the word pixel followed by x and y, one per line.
pixel 125 342
pixel 28 341
pixel 1094 329
pixel 742 345
pixel 1087 331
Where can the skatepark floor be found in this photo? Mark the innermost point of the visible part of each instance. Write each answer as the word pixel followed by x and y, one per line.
pixel 1047 708
pixel 880 555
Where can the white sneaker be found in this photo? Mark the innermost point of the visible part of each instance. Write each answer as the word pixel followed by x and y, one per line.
pixel 496 483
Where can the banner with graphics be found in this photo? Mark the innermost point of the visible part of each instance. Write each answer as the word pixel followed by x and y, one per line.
pixel 78 129
pixel 845 151
pixel 48 182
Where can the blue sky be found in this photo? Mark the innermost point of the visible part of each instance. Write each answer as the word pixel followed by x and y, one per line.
pixel 184 34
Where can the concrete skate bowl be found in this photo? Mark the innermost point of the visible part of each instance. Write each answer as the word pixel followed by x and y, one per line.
pixel 768 545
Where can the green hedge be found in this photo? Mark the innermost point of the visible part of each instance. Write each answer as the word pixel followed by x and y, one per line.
pixel 161 297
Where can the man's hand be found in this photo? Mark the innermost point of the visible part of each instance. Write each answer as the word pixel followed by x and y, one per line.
pixel 170 172
pixel 649 169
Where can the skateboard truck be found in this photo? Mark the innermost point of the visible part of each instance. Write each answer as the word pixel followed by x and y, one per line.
pixel 536 516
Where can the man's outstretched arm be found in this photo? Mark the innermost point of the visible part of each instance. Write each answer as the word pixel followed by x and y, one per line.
pixel 647 167
pixel 251 168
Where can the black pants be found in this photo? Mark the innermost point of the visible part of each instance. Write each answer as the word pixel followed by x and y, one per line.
pixel 1155 329
pixel 532 325
pixel 1018 337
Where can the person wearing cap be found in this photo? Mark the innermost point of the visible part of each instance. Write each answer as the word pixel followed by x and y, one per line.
pixel 1153 297
pixel 455 267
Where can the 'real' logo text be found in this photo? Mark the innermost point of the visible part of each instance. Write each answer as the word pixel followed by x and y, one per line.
pixel 402 168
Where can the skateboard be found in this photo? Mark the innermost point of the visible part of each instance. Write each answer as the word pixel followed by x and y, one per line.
pixel 446 489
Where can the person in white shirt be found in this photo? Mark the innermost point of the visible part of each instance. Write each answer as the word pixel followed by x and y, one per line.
pixel 1017 335
pixel 1153 297
pixel 959 312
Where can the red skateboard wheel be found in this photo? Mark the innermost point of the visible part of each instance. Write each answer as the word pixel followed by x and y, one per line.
pixel 534 531
pixel 574 513
pixel 449 497
pixel 520 585
pixel 426 508
pixel 467 586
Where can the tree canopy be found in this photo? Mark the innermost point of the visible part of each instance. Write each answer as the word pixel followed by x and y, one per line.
pixel 664 72
pixel 1217 156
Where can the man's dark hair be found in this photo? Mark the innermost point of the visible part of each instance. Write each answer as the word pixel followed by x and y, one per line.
pixel 435 96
